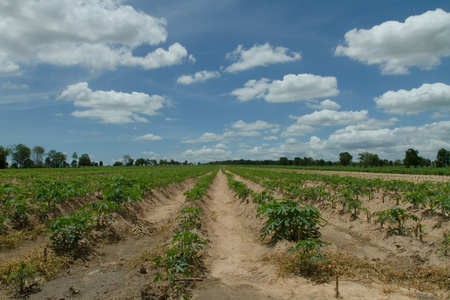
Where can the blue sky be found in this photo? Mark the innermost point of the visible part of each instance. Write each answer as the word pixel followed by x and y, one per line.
pixel 214 80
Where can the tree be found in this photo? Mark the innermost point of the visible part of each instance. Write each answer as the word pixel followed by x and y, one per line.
pixel 55 159
pixel 59 160
pixel 140 162
pixel 283 161
pixel 74 162
pixel 37 154
pixel 345 158
pixel 118 164
pixel 20 153
pixel 84 161
pixel 442 158
pixel 127 160
pixel 4 152
pixel 368 159
pixel 412 158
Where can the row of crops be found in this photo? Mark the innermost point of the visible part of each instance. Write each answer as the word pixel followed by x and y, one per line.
pixel 349 192
pixel 295 218
pixel 182 258
pixel 68 208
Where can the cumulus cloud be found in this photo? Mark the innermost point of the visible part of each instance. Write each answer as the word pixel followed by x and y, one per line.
pixel 333 118
pixel 148 137
pixel 426 97
pixel 270 138
pixel 201 76
pixel 291 88
pixel 257 125
pixel 206 138
pixel 325 104
pixel 259 55
pixel 305 123
pixel 420 41
pixel 111 106
pixel 96 34
pixel 206 154
pixel 297 129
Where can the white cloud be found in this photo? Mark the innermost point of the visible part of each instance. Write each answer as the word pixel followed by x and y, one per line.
pixel 439 115
pixel 253 89
pixel 426 97
pixel 14 86
pixel 111 106
pixel 325 104
pixel 420 41
pixel 206 138
pixel 291 88
pixel 201 76
pixel 304 123
pixel 257 125
pixel 297 130
pixel 206 154
pixel 270 138
pixel 259 55
pixel 171 119
pixel 97 34
pixel 148 137
pixel 333 118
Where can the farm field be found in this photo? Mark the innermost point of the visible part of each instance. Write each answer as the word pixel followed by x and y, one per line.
pixel 196 229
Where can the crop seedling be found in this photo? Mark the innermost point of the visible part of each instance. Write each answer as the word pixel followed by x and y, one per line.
pixel 182 256
pixel 288 220
pixel 23 278
pixel 67 231
pixel 310 252
pixel 395 215
pixel 189 217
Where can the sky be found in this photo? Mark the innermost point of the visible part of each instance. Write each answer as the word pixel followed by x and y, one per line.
pixel 203 80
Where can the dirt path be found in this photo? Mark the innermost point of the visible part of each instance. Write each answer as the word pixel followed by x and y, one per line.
pixel 235 268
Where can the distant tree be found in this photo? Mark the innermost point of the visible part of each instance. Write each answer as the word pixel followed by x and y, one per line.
pixel 37 153
pixel 425 162
pixel 284 161
pixel 127 160
pixel 368 159
pixel 442 158
pixel 59 160
pixel 4 152
pixel 74 162
pixel 20 153
pixel 101 164
pixel 412 158
pixel 321 162
pixel 345 158
pixel 118 164
pixel 84 160
pixel 140 162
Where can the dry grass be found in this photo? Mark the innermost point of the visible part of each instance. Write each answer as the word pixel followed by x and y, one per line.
pixel 45 263
pixel 9 241
pixel 346 265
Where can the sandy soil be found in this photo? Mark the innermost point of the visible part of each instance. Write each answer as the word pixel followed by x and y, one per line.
pixel 234 260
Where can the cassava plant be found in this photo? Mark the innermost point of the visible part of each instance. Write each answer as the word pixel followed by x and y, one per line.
pixel 397 216
pixel 287 219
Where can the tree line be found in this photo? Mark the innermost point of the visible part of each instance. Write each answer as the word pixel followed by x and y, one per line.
pixel 24 157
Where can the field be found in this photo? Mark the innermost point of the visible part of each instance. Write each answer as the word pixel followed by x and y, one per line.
pixel 205 232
